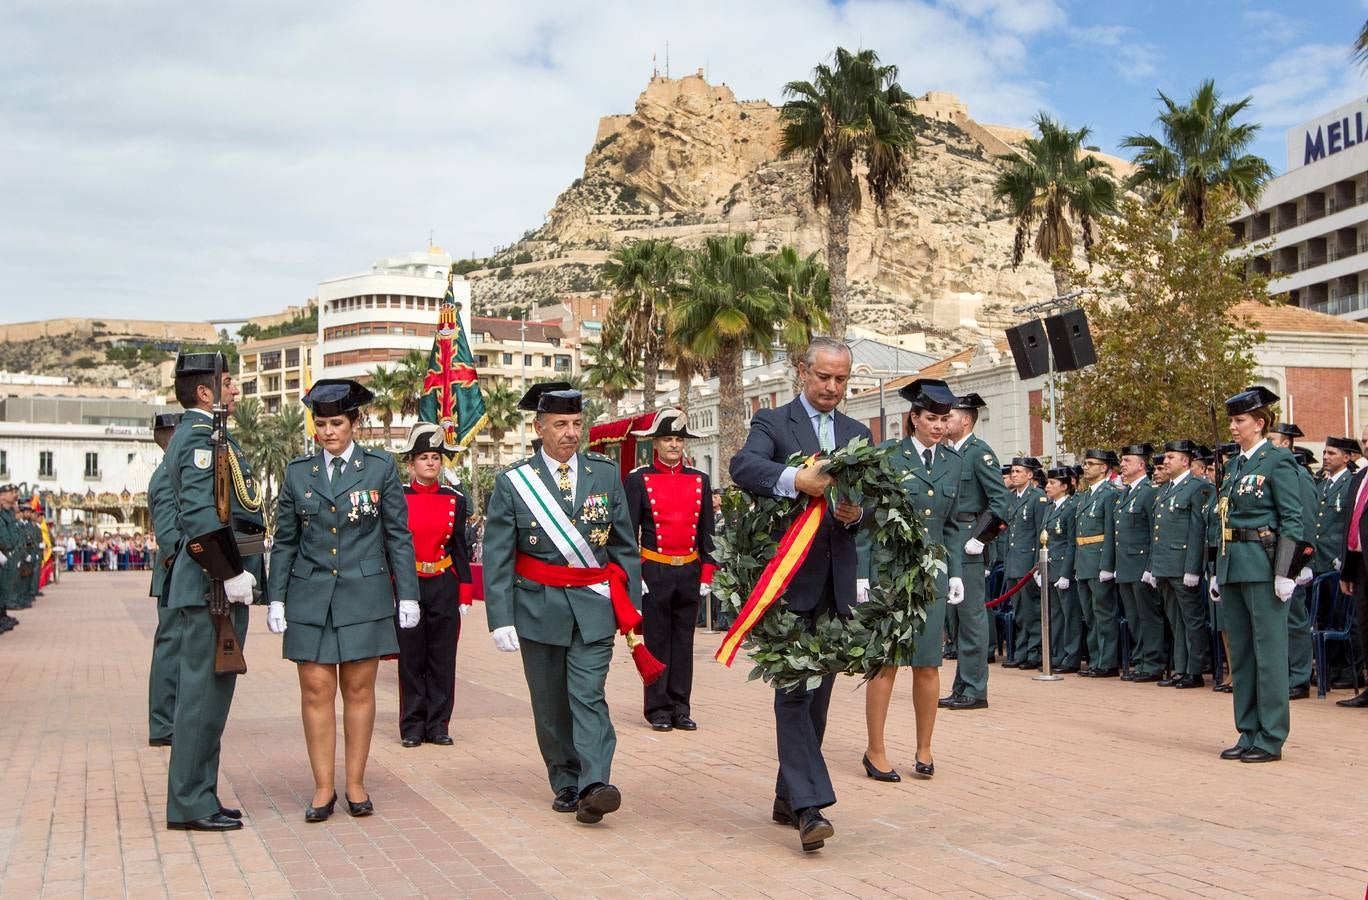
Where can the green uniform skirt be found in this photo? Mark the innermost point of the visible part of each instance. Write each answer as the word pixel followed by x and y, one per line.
pixel 928 649
pixel 330 645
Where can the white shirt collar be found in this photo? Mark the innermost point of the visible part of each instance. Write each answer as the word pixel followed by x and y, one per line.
pixel 1060 502
pixel 922 448
pixel 1250 452
pixel 202 412
pixel 1336 476
pixel 554 464
pixel 1097 486
pixel 345 455
pixel 1180 476
pixel 1135 483
pixel 959 444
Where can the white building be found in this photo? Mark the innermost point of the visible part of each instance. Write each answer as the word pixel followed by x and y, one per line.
pixel 1314 219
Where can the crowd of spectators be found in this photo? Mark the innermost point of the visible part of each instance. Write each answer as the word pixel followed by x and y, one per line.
pixel 92 552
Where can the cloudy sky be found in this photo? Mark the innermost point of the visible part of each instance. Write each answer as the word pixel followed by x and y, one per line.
pixel 191 160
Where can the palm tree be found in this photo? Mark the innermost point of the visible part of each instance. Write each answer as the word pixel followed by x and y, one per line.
pixel 501 405
pixel 806 286
pixel 1053 183
pixel 388 387
pixel 1360 54
pixel 730 306
pixel 608 373
pixel 1201 148
pixel 412 370
pixel 852 114
pixel 246 425
pixel 282 439
pixel 644 280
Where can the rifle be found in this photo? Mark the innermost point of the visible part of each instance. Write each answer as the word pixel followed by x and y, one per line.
pixel 228 658
pixel 1222 501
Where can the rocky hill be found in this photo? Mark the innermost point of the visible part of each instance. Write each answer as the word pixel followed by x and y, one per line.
pixel 692 160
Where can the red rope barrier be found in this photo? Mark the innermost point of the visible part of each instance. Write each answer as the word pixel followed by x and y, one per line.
pixel 1016 587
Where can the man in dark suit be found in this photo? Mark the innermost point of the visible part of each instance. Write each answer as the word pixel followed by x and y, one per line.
pixel 826 582
pixel 1354 570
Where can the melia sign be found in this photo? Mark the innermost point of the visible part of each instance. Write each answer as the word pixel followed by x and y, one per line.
pixel 1329 134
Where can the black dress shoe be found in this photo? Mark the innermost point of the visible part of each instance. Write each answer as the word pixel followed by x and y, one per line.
pixel 1190 681
pixel 944 702
pixel 1127 676
pixel 923 770
pixel 357 810
pixel 567 800
pixel 878 774
pixel 1233 752
pixel 216 822
pixel 1223 688
pixel 411 742
pixel 1358 701
pixel 1170 681
pixel 1011 664
pixel 320 813
pixel 442 740
pixel 1066 670
pixel 968 703
pixel 1150 678
pixel 1258 755
pixel 684 723
pixel 596 801
pixel 661 725
pixel 1103 673
pixel 783 813
pixel 1300 692
pixel 159 742
pixel 230 812
pixel 1031 664
pixel 813 829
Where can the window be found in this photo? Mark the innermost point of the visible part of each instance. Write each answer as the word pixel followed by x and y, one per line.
pixel 562 362
pixel 546 360
pixel 508 359
pixel 292 357
pixel 4 463
pixel 45 464
pixel 481 360
pixel 527 359
pixel 92 465
pixel 248 388
pixel 270 360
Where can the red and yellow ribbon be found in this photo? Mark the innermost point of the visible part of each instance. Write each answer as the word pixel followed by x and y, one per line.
pixel 793 549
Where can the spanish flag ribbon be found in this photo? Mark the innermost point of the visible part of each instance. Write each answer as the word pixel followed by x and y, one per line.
pixel 793 549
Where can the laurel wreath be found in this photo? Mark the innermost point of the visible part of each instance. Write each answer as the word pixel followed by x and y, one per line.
pixel 884 629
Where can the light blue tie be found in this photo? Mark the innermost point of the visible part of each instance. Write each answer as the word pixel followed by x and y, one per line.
pixel 825 439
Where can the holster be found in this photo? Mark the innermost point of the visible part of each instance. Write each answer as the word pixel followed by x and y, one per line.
pixel 1289 558
pixel 217 553
pixel 987 526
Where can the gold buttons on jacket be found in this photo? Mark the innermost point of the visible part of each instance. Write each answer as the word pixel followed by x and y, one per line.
pixel 334 573
pixel 333 529
pixel 332 509
pixel 334 551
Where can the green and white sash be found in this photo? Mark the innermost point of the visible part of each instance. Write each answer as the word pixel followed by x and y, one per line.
pixel 546 507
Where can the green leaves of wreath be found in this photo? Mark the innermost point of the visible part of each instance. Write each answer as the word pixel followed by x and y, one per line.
pixel 904 565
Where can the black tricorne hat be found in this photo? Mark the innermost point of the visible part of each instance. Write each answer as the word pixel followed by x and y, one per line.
pixel 1304 456
pixel 1348 445
pixel 1098 453
pixel 199 363
pixel 1228 450
pixel 1063 473
pixel 336 396
pixel 969 401
pixel 1182 445
pixel 425 437
pixel 552 397
pixel 1158 460
pixel 930 394
pixel 1146 450
pixel 1007 469
pixel 165 420
pixel 1289 429
pixel 1028 462
pixel 669 422
pixel 1250 399
pixel 1205 455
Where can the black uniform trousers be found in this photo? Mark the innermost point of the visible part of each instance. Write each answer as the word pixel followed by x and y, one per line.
pixel 668 611
pixel 427 659
pixel 800 718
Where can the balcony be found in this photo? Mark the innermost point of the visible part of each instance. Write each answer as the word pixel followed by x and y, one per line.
pixel 1343 303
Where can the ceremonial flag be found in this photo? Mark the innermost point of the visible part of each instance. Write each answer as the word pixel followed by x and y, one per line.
pixel 451 394
pixel 306 377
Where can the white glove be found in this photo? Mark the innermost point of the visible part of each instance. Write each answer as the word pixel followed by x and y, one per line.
pixel 1104 576
pixel 1284 587
pixel 1148 578
pixel 861 590
pixel 4 559
pixel 955 595
pixel 1036 578
pixel 506 639
pixel 1214 589
pixel 1336 563
pixel 409 614
pixel 973 547
pixel 275 618
pixel 1190 580
pixel 704 589
pixel 1063 584
pixel 645 588
pixel 1304 576
pixel 239 587
pixel 465 608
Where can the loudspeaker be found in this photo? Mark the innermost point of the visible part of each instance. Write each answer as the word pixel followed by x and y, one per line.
pixel 1029 350
pixel 1070 340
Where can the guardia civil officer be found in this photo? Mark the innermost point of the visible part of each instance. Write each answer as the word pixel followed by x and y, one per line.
pixel 161 675
pixel 208 552
pixel 1177 553
pixel 560 559
pixel 1094 562
pixel 1027 507
pixel 427 652
pixel 341 562
pixel 11 542
pixel 1066 617
pixel 1354 573
pixel 1284 435
pixel 671 508
pixel 1259 555
pixel 1141 603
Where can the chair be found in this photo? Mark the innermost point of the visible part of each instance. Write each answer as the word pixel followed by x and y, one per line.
pixel 1124 634
pixel 1338 617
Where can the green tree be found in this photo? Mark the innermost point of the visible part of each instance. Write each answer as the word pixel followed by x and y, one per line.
pixel 246 426
pixel 644 278
pixel 1049 186
pixel 1170 341
pixel 501 406
pixel 388 387
pixel 608 373
pixel 1201 147
pixel 411 371
pixel 851 115
pixel 731 306
pixel 281 439
pixel 806 286
pixel 1360 52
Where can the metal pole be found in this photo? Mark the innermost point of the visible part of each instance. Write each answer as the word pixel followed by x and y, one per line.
pixel 1044 569
pixel 1054 424
pixel 522 364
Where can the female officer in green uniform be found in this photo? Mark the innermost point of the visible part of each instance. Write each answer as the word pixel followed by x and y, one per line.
pixel 1259 552
pixel 341 530
pixel 1066 614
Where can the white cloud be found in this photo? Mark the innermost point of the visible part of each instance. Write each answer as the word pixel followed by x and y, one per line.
pixel 180 162
pixel 1271 26
pixel 1135 60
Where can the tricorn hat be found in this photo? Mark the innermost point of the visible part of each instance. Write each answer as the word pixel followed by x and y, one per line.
pixel 199 363
pixel 668 422
pixel 969 401
pixel 1304 456
pixel 1182 445
pixel 1228 450
pixel 1063 473
pixel 930 394
pixel 1205 455
pixel 1029 462
pixel 425 437
pixel 1098 453
pixel 1250 399
pixel 336 396
pixel 1288 428
pixel 1158 459
pixel 165 420
pixel 552 397
pixel 1146 450
pixel 1348 445
pixel 1007 469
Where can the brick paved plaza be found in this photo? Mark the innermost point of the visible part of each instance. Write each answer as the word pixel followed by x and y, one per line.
pixel 1087 789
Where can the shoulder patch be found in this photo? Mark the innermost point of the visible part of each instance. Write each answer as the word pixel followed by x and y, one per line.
pixel 598 456
pixel 1043 499
pixel 203 459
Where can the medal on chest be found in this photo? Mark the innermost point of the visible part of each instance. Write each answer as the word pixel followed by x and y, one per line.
pixel 364 503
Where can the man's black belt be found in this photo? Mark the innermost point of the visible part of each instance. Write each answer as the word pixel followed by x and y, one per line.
pixel 1249 534
pixel 966 518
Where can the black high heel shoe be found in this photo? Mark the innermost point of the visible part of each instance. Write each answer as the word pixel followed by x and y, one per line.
pixel 924 770
pixel 891 775
pixel 320 813
pixel 364 808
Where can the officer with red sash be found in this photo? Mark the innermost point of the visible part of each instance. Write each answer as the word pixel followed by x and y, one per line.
pixel 427 652
pixel 671 507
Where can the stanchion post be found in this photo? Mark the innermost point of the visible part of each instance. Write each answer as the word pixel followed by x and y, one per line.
pixel 1043 566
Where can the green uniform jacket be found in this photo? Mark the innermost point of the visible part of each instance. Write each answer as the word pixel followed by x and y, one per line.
pixel 1027 517
pixel 1266 493
pixel 336 544
pixel 161 505
pixel 1331 518
pixel 1133 530
pixel 1178 546
pixel 598 510
pixel 190 469
pixel 1095 516
pixel 1060 522
pixel 11 543
pixel 931 495
pixel 981 484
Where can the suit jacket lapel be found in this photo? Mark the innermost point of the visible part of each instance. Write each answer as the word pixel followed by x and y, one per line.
pixel 801 426
pixel 319 474
pixel 540 467
pixel 350 474
pixel 582 475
